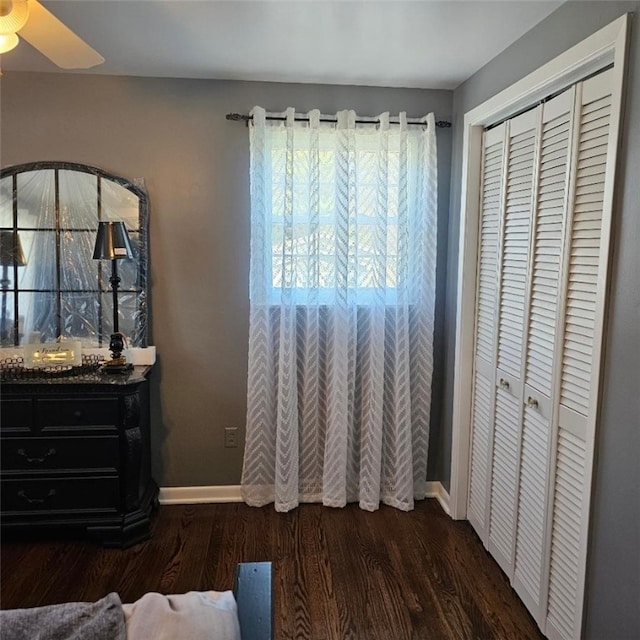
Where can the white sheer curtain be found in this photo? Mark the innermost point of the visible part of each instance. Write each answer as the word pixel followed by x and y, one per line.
pixel 343 253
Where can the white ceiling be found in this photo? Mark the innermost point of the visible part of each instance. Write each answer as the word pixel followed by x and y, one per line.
pixel 394 43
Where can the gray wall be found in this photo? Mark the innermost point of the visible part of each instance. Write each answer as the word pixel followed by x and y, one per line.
pixel 613 589
pixel 195 164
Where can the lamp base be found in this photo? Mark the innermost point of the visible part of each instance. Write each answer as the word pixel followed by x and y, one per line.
pixel 118 363
pixel 117 366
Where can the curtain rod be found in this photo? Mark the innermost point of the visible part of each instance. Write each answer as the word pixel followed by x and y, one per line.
pixel 239 117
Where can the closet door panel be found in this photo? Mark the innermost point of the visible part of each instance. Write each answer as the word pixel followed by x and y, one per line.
pixel 584 268
pixel 547 243
pixel 481 438
pixel 513 275
pixel 482 418
pixel 532 508
pixel 504 475
pixel 565 593
pixel 492 195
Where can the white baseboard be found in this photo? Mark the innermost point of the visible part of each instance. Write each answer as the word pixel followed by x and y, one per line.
pixel 231 493
pixel 436 490
pixel 197 495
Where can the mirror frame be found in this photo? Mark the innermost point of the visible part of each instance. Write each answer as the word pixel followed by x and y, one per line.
pixel 142 316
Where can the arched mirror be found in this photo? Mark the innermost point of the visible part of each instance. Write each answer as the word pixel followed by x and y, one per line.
pixel 51 286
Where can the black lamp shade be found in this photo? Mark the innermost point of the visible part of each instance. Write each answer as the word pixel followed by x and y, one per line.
pixel 112 242
pixel 11 253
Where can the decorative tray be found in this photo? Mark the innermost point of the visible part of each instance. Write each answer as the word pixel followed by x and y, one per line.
pixel 13 369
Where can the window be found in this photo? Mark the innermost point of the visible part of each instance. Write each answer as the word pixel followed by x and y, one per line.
pixel 340 210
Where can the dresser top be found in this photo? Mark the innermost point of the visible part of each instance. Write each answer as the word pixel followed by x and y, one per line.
pixel 134 376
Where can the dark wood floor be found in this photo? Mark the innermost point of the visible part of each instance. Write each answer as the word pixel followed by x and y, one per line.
pixel 338 573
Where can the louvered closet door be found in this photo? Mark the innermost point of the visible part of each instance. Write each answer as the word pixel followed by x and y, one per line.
pixel 581 337
pixel 485 338
pixel 513 277
pixel 529 578
pixel 544 241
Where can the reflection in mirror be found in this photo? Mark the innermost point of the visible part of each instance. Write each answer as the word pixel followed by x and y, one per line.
pixel 59 292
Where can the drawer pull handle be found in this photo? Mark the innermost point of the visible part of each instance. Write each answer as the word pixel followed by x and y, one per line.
pixel 22 494
pixel 532 402
pixel 41 459
pixel 504 384
pixel 77 413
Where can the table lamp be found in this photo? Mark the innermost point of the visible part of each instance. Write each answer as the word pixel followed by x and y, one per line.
pixel 112 243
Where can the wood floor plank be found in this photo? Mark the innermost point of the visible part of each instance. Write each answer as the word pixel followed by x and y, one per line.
pixel 450 576
pixel 339 574
pixel 190 551
pixel 420 557
pixel 214 571
pixel 316 567
pixel 45 560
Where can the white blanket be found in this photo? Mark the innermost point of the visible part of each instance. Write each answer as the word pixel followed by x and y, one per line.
pixel 196 615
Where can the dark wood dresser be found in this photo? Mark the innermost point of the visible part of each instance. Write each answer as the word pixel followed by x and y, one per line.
pixel 75 453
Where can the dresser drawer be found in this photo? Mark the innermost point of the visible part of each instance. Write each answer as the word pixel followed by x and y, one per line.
pixel 16 414
pixel 54 413
pixel 60 453
pixel 59 494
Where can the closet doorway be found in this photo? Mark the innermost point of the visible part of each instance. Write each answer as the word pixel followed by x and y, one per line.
pixel 536 208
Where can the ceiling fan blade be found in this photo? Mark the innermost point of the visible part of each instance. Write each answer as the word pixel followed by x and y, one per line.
pixel 56 41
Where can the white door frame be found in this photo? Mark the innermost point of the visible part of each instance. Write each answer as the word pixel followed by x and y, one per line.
pixel 606 46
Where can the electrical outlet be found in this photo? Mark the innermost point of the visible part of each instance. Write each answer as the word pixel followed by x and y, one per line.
pixel 230 437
